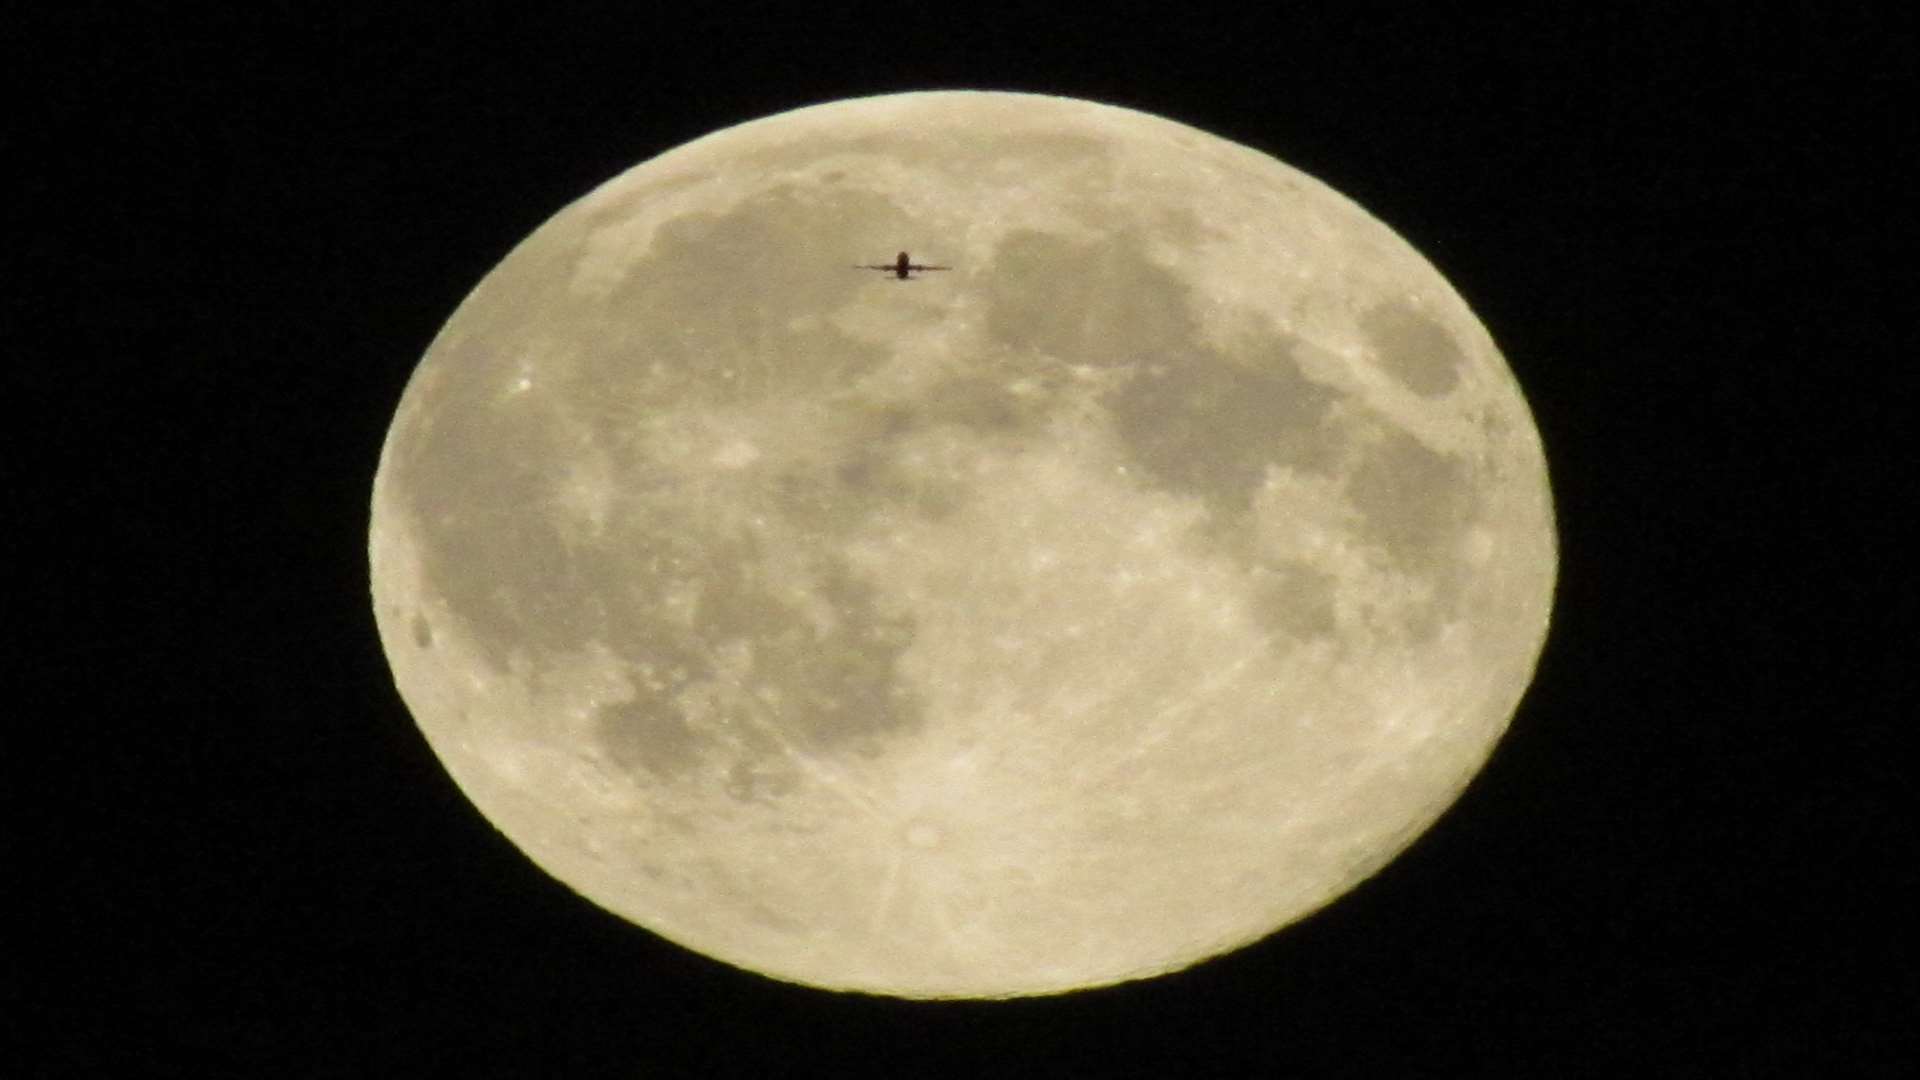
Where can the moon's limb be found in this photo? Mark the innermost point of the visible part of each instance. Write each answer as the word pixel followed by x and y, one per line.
pixel 1113 600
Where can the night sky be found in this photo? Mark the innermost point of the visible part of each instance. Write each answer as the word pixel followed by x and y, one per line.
pixel 236 236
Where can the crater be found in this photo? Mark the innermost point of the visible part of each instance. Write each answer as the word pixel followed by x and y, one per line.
pixel 1413 348
pixel 775 251
pixel 983 406
pixel 1414 502
pixel 763 781
pixel 639 735
pixel 1415 507
pixel 508 572
pixel 1295 600
pixel 905 454
pixel 1099 304
pixel 422 632
pixel 734 660
pixel 1203 425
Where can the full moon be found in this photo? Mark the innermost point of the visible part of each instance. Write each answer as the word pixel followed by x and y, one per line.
pixel 1101 604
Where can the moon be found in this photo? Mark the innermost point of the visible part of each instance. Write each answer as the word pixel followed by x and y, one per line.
pixel 1098 606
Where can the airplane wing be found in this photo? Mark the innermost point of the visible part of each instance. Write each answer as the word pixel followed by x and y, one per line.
pixel 917 266
pixel 874 266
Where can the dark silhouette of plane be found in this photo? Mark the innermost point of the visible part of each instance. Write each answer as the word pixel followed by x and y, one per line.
pixel 900 267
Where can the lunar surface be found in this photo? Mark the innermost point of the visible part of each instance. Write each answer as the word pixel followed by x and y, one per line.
pixel 1109 601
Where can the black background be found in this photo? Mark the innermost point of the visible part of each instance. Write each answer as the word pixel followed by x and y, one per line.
pixel 236 235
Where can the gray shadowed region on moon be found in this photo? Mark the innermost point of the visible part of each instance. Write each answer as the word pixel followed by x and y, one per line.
pixel 1109 602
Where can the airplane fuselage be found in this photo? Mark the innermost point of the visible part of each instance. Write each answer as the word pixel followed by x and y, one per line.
pixel 902 267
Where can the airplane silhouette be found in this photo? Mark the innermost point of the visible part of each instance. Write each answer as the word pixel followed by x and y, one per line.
pixel 900 267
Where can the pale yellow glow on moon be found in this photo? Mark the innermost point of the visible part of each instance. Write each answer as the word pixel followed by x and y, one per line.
pixel 1105 603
